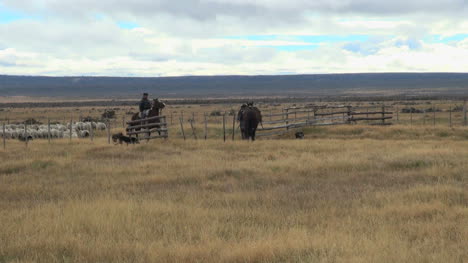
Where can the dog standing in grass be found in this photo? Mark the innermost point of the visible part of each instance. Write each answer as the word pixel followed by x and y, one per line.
pixel 119 138
pixel 299 135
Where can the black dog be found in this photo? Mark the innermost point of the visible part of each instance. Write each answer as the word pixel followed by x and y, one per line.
pixel 120 138
pixel 299 135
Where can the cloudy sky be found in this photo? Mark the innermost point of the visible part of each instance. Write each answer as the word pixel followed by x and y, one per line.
pixel 227 37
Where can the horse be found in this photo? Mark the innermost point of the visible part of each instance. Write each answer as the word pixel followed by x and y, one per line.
pixel 251 117
pixel 155 111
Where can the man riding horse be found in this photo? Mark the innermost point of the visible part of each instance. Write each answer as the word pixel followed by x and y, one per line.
pixel 145 106
pixel 148 110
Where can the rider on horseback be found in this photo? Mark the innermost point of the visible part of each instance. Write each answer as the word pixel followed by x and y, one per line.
pixel 145 106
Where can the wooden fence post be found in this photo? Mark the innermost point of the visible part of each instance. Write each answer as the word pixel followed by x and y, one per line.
pixel 4 137
pixel 26 133
pixel 233 126
pixel 48 130
pixel 206 127
pixel 193 129
pixel 383 114
pixel 224 126
pixel 450 116
pixel 411 116
pixel 171 117
pixel 91 132
pixel 71 127
pixel 165 125
pixel 465 122
pixel 397 114
pixel 123 121
pixel 108 132
pixel 182 126
pixel 349 114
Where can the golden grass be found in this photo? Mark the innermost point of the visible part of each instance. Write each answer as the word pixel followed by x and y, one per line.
pixel 386 199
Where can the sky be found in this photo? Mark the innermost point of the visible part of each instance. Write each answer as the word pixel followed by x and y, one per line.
pixel 151 38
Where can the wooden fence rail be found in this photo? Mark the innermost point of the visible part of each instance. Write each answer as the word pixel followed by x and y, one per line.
pixel 321 115
pixel 146 126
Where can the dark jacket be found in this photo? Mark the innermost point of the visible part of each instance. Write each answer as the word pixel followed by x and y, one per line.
pixel 145 104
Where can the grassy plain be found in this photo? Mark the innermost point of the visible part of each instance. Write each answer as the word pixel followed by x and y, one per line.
pixel 345 194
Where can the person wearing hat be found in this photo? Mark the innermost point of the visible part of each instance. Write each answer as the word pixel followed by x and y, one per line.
pixel 145 105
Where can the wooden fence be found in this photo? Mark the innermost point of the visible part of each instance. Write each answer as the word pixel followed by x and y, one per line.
pixel 148 127
pixel 321 115
pixel 276 121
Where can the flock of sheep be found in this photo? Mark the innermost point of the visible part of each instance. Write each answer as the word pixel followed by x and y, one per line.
pixel 78 130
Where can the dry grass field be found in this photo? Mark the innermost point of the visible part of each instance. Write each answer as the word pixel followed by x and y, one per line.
pixel 345 194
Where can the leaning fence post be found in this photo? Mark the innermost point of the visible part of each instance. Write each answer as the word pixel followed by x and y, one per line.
pixel 182 126
pixel 193 130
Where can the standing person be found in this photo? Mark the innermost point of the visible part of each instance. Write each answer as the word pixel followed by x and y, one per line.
pixel 145 106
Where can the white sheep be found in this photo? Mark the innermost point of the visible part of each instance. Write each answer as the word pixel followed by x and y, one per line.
pixel 55 133
pixel 14 134
pixel 32 133
pixel 8 134
pixel 101 126
pixel 83 134
pixel 44 133
pixel 87 126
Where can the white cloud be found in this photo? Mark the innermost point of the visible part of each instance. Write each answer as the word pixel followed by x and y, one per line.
pixel 190 37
